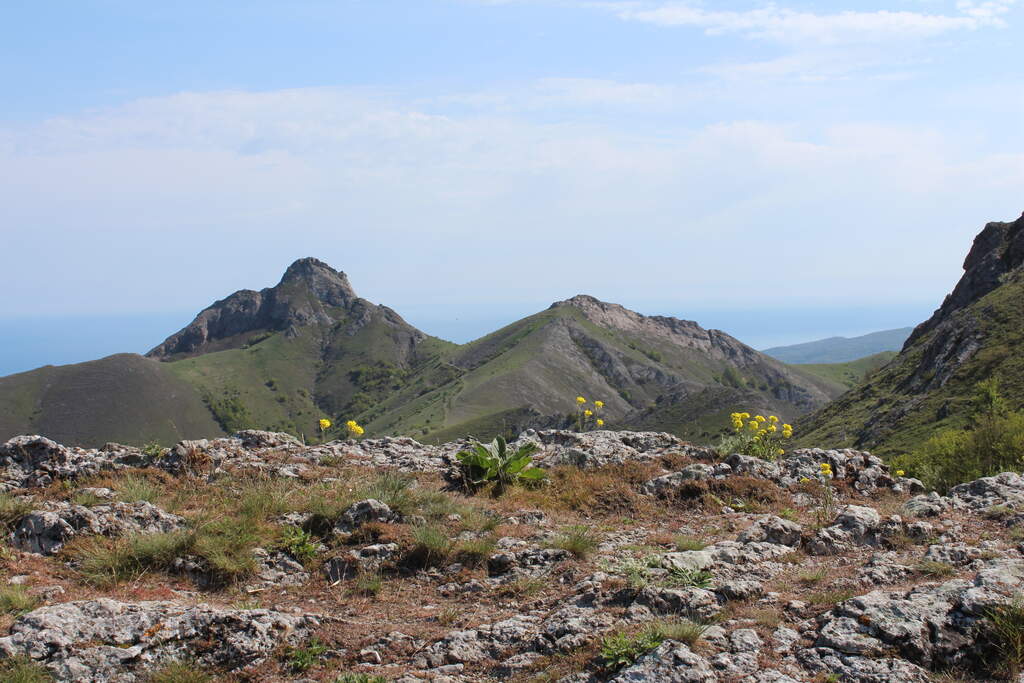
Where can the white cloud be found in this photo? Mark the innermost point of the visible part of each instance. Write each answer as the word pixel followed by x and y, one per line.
pixel 782 24
pixel 160 202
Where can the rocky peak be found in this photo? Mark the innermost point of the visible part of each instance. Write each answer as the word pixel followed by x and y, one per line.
pixel 326 284
pixel 309 293
pixel 997 250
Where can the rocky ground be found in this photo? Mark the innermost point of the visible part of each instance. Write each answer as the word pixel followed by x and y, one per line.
pixel 643 558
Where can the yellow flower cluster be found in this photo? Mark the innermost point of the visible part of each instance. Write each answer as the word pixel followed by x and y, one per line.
pixel 826 469
pixel 353 428
pixel 583 414
pixel 325 424
pixel 900 473
pixel 737 420
pixel 581 400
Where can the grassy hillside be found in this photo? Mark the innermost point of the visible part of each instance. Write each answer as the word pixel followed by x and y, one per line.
pixel 849 374
pixel 125 398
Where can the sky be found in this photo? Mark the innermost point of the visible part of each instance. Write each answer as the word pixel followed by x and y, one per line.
pixel 784 171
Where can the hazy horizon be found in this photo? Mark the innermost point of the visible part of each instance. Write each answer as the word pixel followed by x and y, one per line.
pixel 34 341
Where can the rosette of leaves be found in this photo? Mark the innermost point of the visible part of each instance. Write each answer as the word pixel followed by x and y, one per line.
pixel 496 462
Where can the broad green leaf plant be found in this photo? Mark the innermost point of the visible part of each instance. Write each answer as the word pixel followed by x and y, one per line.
pixel 495 462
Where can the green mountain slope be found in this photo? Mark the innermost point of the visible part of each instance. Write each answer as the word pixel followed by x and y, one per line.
pixel 841 349
pixel 285 356
pixel 124 398
pixel 848 374
pixel 528 374
pixel 977 333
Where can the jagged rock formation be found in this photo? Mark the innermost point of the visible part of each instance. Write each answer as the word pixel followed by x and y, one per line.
pixel 975 334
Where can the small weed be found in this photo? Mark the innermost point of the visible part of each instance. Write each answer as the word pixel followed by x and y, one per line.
pixel 302 659
pixel 180 672
pixel 298 543
pixel 16 600
pixel 133 488
pixel 360 678
pixel 523 587
pixel 475 552
pixel 830 597
pixel 449 615
pixel 368 584
pixel 431 545
pixel 153 449
pixel 683 543
pixel 12 509
pixel 623 649
pixel 1003 630
pixel 679 577
pixel 934 569
pixel 23 670
pixel 247 604
pixel 789 514
pixel 810 578
pixel 579 540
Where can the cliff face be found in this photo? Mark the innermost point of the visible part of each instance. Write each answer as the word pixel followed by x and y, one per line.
pixel 997 251
pixel 977 333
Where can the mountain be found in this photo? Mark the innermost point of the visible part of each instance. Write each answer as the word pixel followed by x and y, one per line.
pixel 309 347
pixel 841 349
pixel 977 333
pixel 647 370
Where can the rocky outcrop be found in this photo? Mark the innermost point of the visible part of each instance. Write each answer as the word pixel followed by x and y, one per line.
pixel 47 531
pixel 105 640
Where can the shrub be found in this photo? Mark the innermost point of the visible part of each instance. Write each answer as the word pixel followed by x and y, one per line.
pixel 993 442
pixel 579 540
pixel 23 670
pixel 16 600
pixel 494 462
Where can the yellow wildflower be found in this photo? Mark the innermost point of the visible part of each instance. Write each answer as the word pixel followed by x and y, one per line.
pixel 772 428
pixel 325 424
pixel 745 416
pixel 581 400
pixel 780 452
pixel 773 419
pixel 759 418
pixel 600 422
pixel 826 469
pixel 599 404
pixel 900 473
pixel 588 412
pixel 753 424
pixel 804 480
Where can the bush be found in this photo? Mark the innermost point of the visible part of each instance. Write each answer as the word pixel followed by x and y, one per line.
pixel 993 442
pixel 298 543
pixel 756 436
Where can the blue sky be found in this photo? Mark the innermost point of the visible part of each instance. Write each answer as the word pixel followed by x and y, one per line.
pixel 782 170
